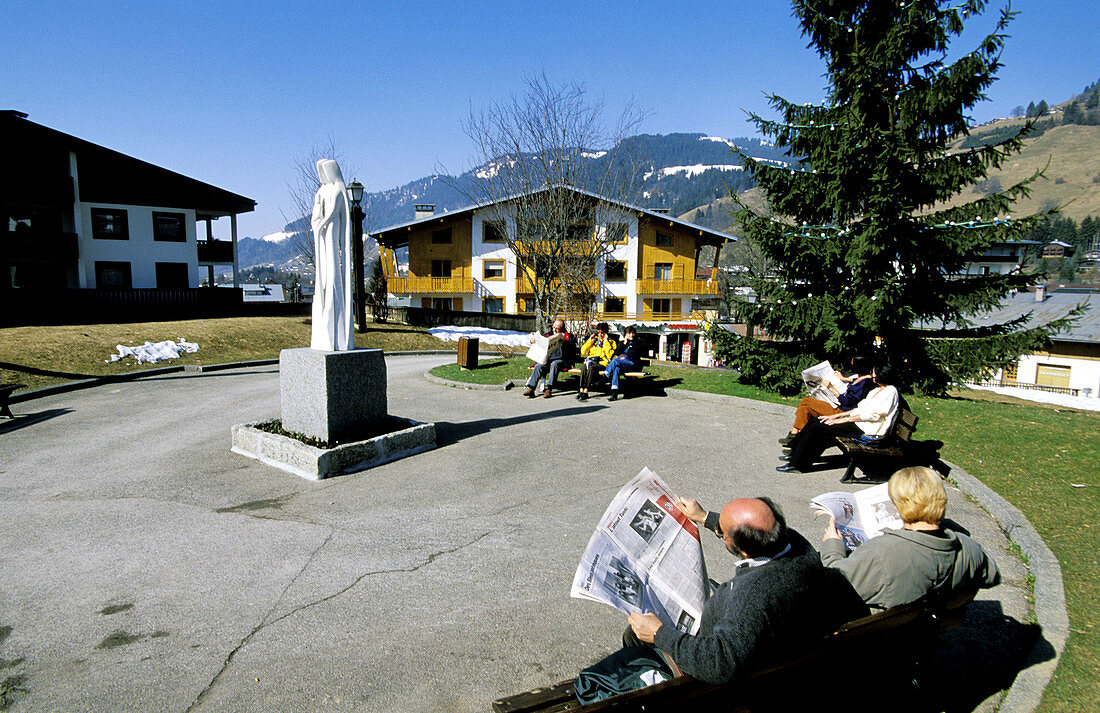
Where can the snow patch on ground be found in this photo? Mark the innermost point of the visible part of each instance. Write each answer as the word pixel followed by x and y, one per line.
pixel 149 352
pixel 486 336
pixel 690 171
pixel 1087 403
pixel 277 237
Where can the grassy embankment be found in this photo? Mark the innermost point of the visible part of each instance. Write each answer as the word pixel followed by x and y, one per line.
pixel 1031 454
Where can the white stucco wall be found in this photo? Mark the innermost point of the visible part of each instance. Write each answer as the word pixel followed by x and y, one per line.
pixel 140 250
pixel 1084 373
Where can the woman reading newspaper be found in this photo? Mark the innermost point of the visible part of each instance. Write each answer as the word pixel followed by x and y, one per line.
pixel 858 384
pixel 901 566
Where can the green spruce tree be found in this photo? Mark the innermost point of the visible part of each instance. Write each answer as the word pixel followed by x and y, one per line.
pixel 864 253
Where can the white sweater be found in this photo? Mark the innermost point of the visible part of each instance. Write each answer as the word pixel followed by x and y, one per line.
pixel 878 411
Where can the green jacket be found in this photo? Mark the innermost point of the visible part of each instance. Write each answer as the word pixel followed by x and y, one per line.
pixel 901 566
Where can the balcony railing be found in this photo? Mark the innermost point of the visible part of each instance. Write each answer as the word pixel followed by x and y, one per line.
pixel 524 286
pixel 431 285
pixel 1031 387
pixel 215 252
pixel 40 247
pixel 678 286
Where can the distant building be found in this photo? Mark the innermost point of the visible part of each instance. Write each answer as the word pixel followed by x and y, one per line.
pixel 1057 248
pixel 255 292
pixel 999 258
pixel 75 215
pixel 460 261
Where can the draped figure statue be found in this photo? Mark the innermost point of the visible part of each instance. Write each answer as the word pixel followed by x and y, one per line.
pixel 332 295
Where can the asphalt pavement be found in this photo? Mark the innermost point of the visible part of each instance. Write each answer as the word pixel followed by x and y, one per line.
pixel 145 567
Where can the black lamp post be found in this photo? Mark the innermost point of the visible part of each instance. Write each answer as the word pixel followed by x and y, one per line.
pixel 355 189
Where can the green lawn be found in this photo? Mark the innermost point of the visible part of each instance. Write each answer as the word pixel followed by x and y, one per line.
pixel 1034 455
pixel 1031 454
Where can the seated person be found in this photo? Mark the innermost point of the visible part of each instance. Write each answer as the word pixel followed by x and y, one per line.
pixel 872 418
pixel 556 360
pixel 597 351
pixel 859 383
pixel 628 356
pixel 781 598
pixel 901 566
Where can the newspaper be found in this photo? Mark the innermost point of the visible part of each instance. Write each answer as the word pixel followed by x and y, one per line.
pixel 816 378
pixel 544 347
pixel 861 515
pixel 645 556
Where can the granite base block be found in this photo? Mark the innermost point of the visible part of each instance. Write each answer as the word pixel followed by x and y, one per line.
pixel 313 463
pixel 332 396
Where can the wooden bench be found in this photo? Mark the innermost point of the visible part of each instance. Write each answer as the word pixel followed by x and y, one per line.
pixel 908 628
pixel 890 448
pixel 639 375
pixel 6 391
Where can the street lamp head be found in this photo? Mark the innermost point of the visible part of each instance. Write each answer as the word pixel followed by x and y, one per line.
pixel 355 188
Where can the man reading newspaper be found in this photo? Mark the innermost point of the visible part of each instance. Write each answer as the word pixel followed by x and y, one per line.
pixel 779 600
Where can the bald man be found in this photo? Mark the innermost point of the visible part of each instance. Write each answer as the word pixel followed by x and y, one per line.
pixel 781 597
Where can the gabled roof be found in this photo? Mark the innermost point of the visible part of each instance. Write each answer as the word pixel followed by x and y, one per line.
pixel 712 236
pixel 105 175
pixel 1056 305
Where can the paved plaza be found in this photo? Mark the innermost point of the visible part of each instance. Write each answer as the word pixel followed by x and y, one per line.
pixel 145 567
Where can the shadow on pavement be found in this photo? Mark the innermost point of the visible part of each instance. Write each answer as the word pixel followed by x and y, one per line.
pixel 448 433
pixel 981 658
pixel 24 369
pixel 25 420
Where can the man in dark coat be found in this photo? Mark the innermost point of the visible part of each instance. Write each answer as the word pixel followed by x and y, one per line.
pixel 781 598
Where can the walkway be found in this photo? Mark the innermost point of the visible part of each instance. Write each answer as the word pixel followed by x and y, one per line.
pixel 147 568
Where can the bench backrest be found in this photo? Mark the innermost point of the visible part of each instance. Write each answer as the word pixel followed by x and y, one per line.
pixel 906 424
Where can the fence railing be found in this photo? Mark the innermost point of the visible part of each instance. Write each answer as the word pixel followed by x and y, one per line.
pixel 1030 387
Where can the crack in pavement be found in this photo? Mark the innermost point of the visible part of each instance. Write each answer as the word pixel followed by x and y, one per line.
pixel 264 624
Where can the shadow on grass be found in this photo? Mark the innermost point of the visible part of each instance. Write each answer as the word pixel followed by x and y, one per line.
pixel 448 433
pixel 30 419
pixel 24 369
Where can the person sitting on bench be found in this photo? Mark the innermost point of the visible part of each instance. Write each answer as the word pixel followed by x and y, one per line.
pixel 859 383
pixel 597 350
pixel 560 358
pixel 628 356
pixel 901 566
pixel 781 598
pixel 873 419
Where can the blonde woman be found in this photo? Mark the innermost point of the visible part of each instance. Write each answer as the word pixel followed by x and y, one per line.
pixel 901 566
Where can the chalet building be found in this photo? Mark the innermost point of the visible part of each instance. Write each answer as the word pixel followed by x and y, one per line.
pixel 1057 249
pixel 460 261
pixel 78 216
pixel 1000 258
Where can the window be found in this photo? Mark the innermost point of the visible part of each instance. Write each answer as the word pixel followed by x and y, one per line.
pixel 441 236
pixel 1011 371
pixel 615 271
pixel 109 224
pixel 614 305
pixel 493 304
pixel 662 271
pixel 171 275
pixel 579 233
pixel 492 232
pixel 169 227
pixel 493 269
pixel 441 268
pixel 616 234
pixel 443 304
pixel 664 241
pixel 112 275
pixel 662 306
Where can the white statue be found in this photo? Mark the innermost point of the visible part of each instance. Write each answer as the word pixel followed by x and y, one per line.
pixel 332 296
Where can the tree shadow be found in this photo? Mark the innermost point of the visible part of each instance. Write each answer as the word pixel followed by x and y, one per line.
pixel 30 419
pixel 24 369
pixel 448 433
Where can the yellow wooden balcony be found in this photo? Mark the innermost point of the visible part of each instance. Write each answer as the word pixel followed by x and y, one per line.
pixel 677 286
pixel 430 285
pixel 524 286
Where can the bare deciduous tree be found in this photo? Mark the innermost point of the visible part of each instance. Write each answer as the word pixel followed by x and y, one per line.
pixel 552 174
pixel 302 187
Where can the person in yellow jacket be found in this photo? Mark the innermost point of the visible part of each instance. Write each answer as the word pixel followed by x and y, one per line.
pixel 597 351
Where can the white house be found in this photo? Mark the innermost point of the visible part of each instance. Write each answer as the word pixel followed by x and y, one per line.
pixel 76 215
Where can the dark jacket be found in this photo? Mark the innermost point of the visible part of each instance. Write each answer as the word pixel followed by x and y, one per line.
pixel 632 350
pixel 761 614
pixel 855 393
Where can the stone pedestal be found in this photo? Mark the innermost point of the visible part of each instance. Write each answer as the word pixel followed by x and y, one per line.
pixel 332 396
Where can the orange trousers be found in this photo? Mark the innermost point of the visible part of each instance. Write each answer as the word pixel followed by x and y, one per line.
pixel 812 408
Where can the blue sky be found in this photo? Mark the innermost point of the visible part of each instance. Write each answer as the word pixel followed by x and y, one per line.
pixel 231 92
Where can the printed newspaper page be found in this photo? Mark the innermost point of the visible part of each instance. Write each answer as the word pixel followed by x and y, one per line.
pixel 816 378
pixel 544 347
pixel 645 556
pixel 861 515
